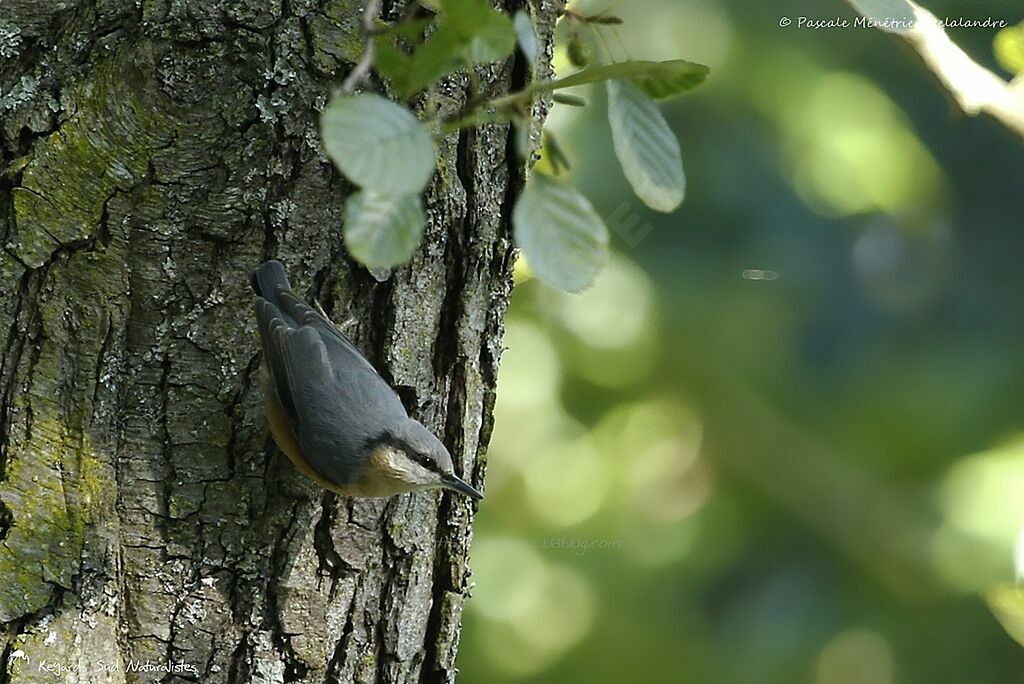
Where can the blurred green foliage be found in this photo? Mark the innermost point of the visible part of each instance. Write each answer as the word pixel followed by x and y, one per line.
pixel 782 438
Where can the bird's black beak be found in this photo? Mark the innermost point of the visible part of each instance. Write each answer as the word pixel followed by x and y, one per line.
pixel 455 483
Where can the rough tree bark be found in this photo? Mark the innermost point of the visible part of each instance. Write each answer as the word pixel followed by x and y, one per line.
pixel 154 151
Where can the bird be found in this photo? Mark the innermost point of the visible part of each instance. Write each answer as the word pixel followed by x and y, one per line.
pixel 330 411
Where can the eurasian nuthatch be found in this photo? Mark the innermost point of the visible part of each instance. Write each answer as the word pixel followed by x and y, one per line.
pixel 330 412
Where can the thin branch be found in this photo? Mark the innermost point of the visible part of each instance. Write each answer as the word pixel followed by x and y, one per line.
pixel 975 89
pixel 361 70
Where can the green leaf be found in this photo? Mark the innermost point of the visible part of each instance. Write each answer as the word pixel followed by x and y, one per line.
pixel 578 51
pixel 495 40
pixel 383 230
pixel 410 30
pixel 391 63
pixel 570 100
pixel 483 33
pixel 529 44
pixel 377 144
pixel 434 59
pixel 431 59
pixel 646 147
pixel 671 82
pixel 563 238
pixel 466 16
pixel 469 31
pixel 682 75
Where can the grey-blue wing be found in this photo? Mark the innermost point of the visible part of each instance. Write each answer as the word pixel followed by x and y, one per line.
pixel 342 351
pixel 272 328
pixel 335 399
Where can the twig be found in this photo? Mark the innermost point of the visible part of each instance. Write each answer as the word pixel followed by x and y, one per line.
pixel 975 88
pixel 362 69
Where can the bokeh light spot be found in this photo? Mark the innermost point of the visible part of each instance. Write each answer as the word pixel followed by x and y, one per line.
pixel 567 482
pixel 856 656
pixel 848 147
pixel 530 370
pixel 533 611
pixel 983 507
pixel 509 575
pixel 614 312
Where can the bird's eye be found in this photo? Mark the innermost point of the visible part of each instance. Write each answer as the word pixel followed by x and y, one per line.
pixel 423 459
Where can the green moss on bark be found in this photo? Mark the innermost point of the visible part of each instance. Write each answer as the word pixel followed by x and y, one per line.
pixel 336 34
pixel 50 511
pixel 104 146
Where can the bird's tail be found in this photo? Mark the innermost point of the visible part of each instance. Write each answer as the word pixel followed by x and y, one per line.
pixel 268 278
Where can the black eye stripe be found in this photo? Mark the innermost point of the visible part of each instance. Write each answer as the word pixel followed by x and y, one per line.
pixel 423 460
pixel 427 463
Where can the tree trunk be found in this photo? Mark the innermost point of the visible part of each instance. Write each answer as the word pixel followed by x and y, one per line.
pixel 153 153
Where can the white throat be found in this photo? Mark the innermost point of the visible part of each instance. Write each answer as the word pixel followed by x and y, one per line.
pixel 406 469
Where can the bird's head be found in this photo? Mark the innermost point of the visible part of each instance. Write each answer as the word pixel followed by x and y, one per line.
pixel 414 456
